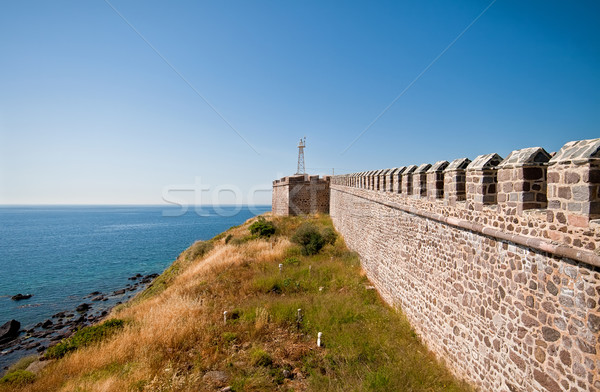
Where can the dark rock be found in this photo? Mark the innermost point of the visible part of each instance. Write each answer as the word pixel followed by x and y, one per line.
pixel 59 315
pixel 47 324
pixel 98 298
pixel 31 346
pixel 83 307
pixel 9 331
pixel 119 292
pixel 20 297
pixel 94 293
pixel 41 348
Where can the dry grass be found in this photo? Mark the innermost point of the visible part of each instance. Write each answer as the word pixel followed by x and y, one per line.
pixel 175 335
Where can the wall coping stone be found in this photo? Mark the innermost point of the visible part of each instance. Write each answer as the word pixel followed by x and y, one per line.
pixel 532 156
pixel 458 164
pixel 422 168
pixel 487 161
pixel 438 167
pixel 410 169
pixel 577 151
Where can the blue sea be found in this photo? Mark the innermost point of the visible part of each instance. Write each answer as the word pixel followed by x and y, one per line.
pixel 60 254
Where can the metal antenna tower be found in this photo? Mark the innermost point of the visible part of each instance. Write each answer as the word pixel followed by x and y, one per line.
pixel 301 167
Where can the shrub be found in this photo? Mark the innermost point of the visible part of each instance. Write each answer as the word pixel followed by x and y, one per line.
pixel 199 249
pixel 228 238
pixel 85 337
pixel 18 378
pixel 262 228
pixel 309 237
pixel 329 235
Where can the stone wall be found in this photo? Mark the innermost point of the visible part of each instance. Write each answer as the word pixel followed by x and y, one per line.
pixel 495 262
pixel 300 194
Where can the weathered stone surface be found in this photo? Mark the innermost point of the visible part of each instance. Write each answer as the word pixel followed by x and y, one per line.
pixel 550 335
pixel 546 381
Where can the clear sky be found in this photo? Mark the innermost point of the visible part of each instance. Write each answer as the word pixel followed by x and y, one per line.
pixel 91 114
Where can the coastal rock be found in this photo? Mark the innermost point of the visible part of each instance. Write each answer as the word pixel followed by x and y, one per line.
pixel 47 324
pixel 83 307
pixel 119 292
pixel 9 331
pixel 20 297
pixel 98 298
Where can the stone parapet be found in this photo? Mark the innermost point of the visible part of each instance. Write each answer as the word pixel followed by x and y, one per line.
pixel 455 181
pixel 574 183
pixel 407 180
pixel 435 180
pixel 522 181
pixel 482 181
pixel 420 180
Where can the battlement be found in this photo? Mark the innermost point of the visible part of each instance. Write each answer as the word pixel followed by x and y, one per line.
pixel 566 187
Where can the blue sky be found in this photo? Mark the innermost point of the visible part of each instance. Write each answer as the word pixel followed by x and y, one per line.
pixel 90 114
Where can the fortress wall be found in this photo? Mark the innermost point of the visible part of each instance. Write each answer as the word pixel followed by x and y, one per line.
pixel 496 262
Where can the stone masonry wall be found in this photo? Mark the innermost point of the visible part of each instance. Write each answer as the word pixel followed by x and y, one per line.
pixel 300 194
pixel 507 293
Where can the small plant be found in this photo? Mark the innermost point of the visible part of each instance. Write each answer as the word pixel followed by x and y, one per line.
pixel 309 238
pixel 262 228
pixel 261 358
pixel 18 378
pixel 85 337
pixel 228 238
pixel 229 336
pixel 291 261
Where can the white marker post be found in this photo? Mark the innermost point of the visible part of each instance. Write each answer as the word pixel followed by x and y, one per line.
pixel 319 339
pixel 225 317
pixel 280 267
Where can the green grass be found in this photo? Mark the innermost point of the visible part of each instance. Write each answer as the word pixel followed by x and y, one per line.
pixel 368 346
pixel 17 378
pixel 84 337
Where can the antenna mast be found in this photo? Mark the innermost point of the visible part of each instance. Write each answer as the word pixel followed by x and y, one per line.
pixel 301 167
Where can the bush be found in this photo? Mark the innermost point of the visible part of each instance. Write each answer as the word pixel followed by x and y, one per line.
pixel 18 378
pixel 309 237
pixel 329 235
pixel 262 228
pixel 228 238
pixel 199 249
pixel 85 337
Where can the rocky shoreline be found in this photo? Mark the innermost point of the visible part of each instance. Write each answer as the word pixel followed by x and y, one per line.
pixel 37 338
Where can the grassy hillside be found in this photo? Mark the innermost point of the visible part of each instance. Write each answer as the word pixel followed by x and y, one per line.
pixel 173 337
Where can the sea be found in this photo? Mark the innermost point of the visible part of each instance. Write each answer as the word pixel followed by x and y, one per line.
pixel 60 254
